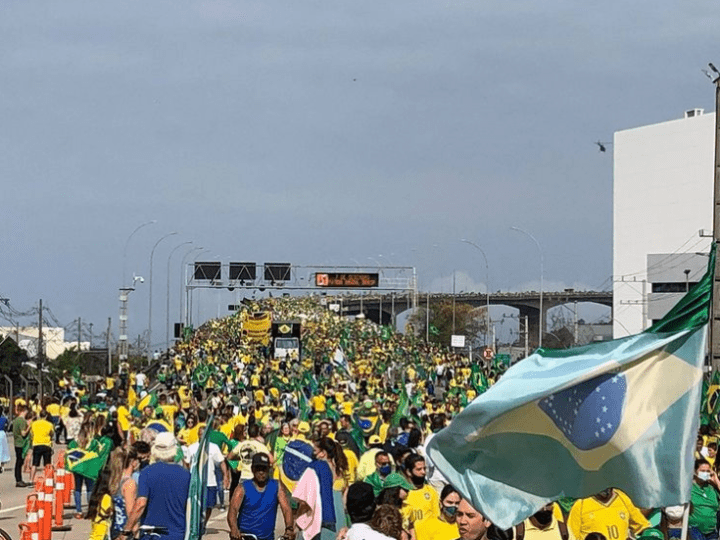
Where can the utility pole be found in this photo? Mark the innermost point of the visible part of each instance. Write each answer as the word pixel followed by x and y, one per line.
pixel 107 344
pixel 79 333
pixel 576 328
pixel 714 337
pixel 40 353
pixel 427 318
pixel 453 318
pixel 527 343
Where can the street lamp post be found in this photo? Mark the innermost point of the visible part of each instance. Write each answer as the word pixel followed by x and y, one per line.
pixel 183 279
pixel 167 294
pixel 122 319
pixel 189 295
pixel 127 242
pixel 487 290
pixel 542 275
pixel 152 254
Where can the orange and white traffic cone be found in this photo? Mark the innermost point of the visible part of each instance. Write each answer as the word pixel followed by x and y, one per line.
pixel 69 488
pixel 24 528
pixel 59 487
pixel 46 521
pixel 33 515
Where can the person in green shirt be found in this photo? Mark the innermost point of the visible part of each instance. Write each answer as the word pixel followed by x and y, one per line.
pixel 705 503
pixel 20 430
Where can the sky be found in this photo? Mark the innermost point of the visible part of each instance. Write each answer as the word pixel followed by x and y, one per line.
pixel 322 133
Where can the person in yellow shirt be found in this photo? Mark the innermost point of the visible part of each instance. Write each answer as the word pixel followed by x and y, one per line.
pixel 100 507
pixel 318 403
pixel 444 526
pixel 423 501
pixel 41 433
pixel 610 512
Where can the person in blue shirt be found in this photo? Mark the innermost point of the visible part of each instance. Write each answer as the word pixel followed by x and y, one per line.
pixel 162 491
pixel 254 504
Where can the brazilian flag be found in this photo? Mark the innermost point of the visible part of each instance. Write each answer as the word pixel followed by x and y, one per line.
pixel 149 400
pixel 88 462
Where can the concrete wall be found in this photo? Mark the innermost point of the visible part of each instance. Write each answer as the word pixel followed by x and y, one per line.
pixel 662 197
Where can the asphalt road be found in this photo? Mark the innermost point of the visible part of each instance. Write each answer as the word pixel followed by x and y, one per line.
pixel 14 498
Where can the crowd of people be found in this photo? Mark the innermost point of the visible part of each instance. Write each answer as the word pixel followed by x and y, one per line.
pixel 327 444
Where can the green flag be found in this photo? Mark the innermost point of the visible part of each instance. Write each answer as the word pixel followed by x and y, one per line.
pixel 195 508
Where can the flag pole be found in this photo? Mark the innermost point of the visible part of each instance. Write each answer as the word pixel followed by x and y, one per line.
pixel 714 332
pixel 686 520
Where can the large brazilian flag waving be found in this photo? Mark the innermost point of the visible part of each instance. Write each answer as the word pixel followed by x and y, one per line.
pixel 569 423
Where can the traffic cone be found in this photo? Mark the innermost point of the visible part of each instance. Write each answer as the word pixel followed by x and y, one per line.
pixel 33 514
pixel 46 521
pixel 40 494
pixel 24 528
pixel 59 501
pixel 69 488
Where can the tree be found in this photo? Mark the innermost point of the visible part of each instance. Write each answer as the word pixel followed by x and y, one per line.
pixel 11 359
pixel 469 321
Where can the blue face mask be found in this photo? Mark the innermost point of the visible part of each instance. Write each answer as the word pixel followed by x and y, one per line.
pixel 384 471
pixel 450 510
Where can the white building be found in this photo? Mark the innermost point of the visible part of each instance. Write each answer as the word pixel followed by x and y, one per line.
pixel 662 199
pixel 53 340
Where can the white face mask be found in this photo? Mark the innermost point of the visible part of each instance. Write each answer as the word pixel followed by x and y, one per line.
pixel 675 512
pixel 704 475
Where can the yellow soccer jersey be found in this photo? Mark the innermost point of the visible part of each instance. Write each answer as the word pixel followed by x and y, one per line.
pixel 318 403
pixel 420 504
pixel 433 528
pixel 615 519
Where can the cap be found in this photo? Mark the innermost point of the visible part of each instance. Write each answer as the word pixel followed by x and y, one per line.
pixel 304 427
pixel 397 480
pixel 651 533
pixel 164 440
pixel 374 439
pixel 261 459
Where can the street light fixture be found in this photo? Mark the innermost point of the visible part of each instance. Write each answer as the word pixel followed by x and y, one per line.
pixel 152 254
pixel 127 242
pixel 167 294
pixel 487 289
pixel 542 275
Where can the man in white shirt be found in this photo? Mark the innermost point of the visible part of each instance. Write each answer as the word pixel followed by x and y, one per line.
pixel 140 381
pixel 215 457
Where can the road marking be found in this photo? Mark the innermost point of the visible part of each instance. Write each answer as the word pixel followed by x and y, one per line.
pixel 12 509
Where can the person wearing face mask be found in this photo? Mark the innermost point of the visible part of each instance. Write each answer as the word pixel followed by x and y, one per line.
pixel 142 452
pixel 544 525
pixel 423 501
pixel 383 468
pixel 671 521
pixel 705 504
pixel 443 527
pixel 609 512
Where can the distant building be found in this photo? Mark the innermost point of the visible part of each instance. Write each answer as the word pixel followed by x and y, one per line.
pixel 53 340
pixel 662 199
